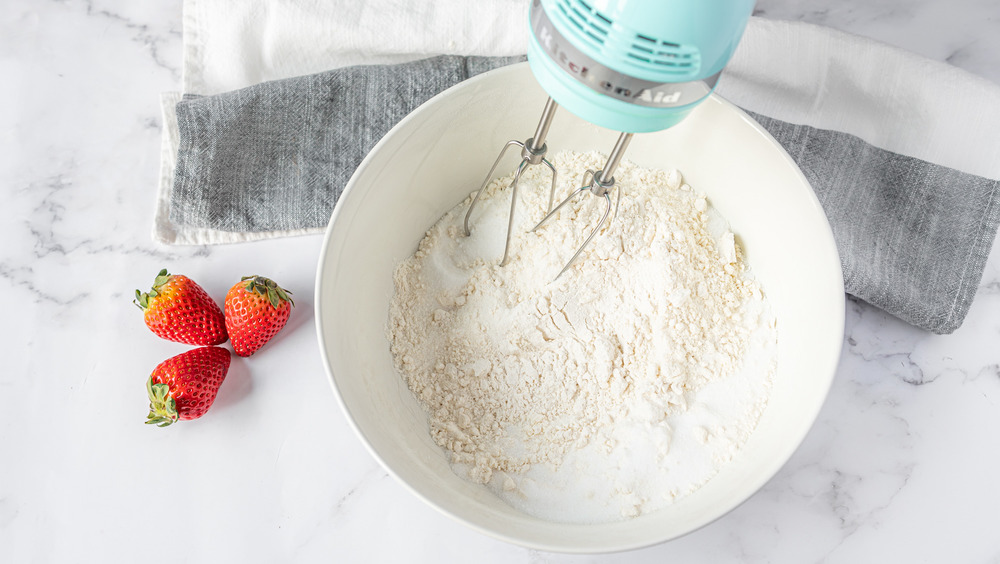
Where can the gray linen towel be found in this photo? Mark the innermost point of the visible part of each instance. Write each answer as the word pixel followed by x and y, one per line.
pixel 913 236
pixel 276 156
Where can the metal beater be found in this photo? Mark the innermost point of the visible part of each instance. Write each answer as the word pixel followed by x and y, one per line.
pixel 601 183
pixel 632 66
pixel 532 153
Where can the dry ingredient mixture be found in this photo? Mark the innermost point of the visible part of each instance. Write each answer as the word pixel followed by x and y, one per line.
pixel 609 393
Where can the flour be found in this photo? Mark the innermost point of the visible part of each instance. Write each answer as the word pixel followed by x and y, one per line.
pixel 611 392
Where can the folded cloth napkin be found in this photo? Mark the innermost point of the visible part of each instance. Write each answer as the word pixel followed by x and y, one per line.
pixel 899 149
pixel 276 157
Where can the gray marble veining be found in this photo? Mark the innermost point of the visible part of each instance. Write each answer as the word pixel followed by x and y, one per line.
pixel 899 467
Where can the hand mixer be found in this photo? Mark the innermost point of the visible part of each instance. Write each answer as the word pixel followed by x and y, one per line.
pixel 634 66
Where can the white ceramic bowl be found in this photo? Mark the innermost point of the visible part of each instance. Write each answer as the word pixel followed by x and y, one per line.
pixel 436 156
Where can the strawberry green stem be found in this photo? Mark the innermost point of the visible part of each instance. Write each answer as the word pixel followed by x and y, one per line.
pixel 142 298
pixel 266 287
pixel 162 407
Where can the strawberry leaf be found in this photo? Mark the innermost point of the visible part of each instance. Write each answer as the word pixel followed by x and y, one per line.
pixel 162 278
pixel 283 294
pixel 162 407
pixel 267 288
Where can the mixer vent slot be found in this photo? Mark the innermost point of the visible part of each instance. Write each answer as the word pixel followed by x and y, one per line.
pixel 650 53
pixel 587 20
pixel 665 55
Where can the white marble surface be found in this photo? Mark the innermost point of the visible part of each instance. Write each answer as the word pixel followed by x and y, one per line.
pixel 900 466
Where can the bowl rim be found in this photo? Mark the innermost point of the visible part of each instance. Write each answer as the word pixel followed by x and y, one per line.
pixel 838 323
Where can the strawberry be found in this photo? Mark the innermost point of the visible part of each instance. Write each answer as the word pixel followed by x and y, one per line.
pixel 183 387
pixel 256 309
pixel 178 309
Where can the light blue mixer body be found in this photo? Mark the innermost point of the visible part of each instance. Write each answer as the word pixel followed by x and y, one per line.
pixel 632 65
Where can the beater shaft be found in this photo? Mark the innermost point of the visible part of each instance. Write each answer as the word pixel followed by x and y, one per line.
pixel 607 173
pixel 532 153
pixel 542 130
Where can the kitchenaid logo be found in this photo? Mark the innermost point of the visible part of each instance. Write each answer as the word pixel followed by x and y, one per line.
pixel 659 96
pixel 558 54
pixel 599 77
